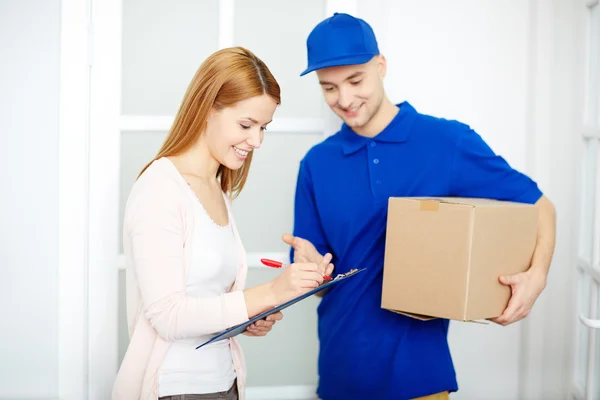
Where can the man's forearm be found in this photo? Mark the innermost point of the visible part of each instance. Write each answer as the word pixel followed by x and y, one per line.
pixel 544 249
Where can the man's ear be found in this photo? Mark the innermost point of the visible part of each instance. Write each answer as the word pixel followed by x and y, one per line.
pixel 381 66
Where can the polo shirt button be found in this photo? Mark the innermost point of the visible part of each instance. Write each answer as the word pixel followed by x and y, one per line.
pixel 376 161
pixel 373 144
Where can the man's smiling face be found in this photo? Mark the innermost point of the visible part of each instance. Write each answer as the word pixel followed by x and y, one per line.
pixel 354 92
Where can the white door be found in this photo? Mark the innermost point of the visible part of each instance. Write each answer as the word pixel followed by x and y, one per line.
pixel 585 379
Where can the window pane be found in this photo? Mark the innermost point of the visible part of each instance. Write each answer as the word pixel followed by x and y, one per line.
pixel 137 149
pixel 164 43
pixel 288 354
pixel 597 333
pixel 583 288
pixel 595 170
pixel 593 86
pixel 590 153
pixel 276 32
pixel 265 209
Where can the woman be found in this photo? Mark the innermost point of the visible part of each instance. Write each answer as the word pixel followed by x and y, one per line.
pixel 186 264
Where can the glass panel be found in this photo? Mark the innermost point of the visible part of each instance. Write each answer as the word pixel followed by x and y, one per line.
pixel 292 344
pixel 595 207
pixel 597 333
pixel 590 152
pixel 583 288
pixel 265 209
pixel 164 43
pixel 276 32
pixel 122 325
pixel 137 149
pixel 593 88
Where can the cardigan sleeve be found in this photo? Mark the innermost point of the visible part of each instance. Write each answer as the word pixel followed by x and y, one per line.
pixel 155 225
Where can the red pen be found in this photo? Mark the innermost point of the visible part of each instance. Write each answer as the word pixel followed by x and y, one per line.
pixel 278 264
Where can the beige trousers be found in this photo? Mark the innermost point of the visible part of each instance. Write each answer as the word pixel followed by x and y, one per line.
pixel 437 396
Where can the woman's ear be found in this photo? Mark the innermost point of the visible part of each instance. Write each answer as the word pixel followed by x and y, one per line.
pixel 211 115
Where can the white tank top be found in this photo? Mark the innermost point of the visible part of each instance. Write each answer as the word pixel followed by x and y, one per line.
pixel 213 268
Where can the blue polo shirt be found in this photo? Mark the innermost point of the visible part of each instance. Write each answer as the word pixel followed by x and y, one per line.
pixel 343 187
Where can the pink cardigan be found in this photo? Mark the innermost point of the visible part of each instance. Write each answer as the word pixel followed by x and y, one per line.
pixel 158 226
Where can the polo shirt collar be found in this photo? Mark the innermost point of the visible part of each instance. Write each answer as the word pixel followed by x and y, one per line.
pixel 397 131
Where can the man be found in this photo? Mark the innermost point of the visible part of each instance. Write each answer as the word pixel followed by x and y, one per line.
pixel 344 183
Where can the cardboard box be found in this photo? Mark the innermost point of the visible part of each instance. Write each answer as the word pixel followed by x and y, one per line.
pixel 443 256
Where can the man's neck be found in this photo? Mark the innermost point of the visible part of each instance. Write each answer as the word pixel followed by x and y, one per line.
pixel 384 116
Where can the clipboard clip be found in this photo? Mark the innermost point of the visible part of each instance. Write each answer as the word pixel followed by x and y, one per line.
pixel 349 273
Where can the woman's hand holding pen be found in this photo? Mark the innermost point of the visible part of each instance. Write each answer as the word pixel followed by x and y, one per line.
pixel 298 278
pixel 295 280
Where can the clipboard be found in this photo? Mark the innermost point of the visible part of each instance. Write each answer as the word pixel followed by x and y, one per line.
pixel 238 329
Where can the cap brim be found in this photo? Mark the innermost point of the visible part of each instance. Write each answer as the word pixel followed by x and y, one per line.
pixel 338 62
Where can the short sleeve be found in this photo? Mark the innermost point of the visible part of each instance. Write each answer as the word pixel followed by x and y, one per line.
pixel 478 172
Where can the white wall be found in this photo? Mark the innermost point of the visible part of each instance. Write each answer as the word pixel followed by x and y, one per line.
pixel 29 81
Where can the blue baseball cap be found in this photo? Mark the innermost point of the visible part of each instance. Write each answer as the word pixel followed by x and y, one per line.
pixel 340 40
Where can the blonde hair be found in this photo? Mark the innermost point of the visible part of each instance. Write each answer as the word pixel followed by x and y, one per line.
pixel 224 78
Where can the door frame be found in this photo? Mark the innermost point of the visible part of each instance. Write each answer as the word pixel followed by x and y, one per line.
pixel 88 197
pixel 552 119
pixel 73 170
